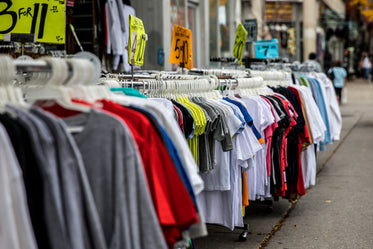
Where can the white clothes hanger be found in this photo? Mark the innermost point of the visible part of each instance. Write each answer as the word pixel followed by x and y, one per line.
pixel 53 89
pixel 10 93
pixel 82 85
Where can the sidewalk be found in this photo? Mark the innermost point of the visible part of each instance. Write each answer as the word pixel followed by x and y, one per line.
pixel 337 212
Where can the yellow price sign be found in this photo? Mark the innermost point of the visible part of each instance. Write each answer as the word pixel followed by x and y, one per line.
pixel 136 42
pixel 44 18
pixel 181 48
pixel 239 42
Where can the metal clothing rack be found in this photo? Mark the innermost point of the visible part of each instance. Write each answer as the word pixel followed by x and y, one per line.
pixel 16 46
pixel 32 66
pixel 248 61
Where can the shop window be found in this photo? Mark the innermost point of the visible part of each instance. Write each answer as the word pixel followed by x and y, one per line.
pixel 177 13
pixel 220 20
pixel 184 13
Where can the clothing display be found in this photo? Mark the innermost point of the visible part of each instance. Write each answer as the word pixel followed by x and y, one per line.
pixel 118 171
pixel 98 175
pixel 117 32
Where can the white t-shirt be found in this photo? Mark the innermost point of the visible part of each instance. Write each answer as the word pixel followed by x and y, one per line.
pixel 309 166
pixel 332 106
pixel 115 43
pixel 316 123
pixel 219 177
pixel 225 207
pixel 117 28
pixel 262 116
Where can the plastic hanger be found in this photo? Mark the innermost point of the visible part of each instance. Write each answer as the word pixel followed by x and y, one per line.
pixel 53 89
pixel 11 94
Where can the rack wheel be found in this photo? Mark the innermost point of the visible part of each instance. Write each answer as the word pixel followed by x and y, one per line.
pixel 243 236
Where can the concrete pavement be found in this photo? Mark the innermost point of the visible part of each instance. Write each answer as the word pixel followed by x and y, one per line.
pixel 338 211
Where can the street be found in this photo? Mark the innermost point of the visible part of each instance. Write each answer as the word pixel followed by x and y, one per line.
pixel 337 212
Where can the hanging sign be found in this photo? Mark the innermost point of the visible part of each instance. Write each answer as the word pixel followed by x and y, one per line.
pixel 44 18
pixel 239 42
pixel 266 49
pixel 181 48
pixel 251 27
pixel 136 41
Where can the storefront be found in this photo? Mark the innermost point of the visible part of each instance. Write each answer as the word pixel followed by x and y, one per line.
pixel 331 35
pixel 283 21
pixel 213 24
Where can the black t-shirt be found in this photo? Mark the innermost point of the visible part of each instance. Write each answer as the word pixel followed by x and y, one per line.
pixel 188 120
pixel 32 177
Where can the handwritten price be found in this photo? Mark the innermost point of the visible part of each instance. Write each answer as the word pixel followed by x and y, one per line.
pixel 31 17
pixel 181 48
pixel 137 41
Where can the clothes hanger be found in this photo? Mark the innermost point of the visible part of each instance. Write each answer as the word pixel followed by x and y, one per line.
pixel 10 93
pixel 53 88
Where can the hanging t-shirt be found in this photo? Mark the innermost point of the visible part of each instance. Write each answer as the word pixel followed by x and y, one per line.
pixel 320 100
pixel 188 120
pixel 77 199
pixel 224 207
pixel 199 229
pixel 173 205
pixel 257 177
pixel 43 148
pixel 219 178
pixel 334 112
pixel 32 178
pixel 247 117
pixel 17 231
pixel 116 175
pixel 177 137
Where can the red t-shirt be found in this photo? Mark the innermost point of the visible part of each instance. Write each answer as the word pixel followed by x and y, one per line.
pixel 174 207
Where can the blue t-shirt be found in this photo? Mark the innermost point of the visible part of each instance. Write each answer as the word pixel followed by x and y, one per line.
pixel 247 117
pixel 339 74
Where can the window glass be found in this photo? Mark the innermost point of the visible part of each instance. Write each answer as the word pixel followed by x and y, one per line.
pixel 177 13
pixel 219 20
pixel 192 26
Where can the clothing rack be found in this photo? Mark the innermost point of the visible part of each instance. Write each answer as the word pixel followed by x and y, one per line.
pixel 16 46
pixel 222 59
pixel 32 66
pixel 162 83
pixel 249 61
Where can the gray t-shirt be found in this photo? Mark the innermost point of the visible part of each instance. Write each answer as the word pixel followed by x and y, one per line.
pixel 207 141
pixel 43 148
pixel 117 180
pixel 81 218
pixel 204 159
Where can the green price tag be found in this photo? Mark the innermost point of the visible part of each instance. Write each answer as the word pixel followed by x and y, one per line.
pixel 239 42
